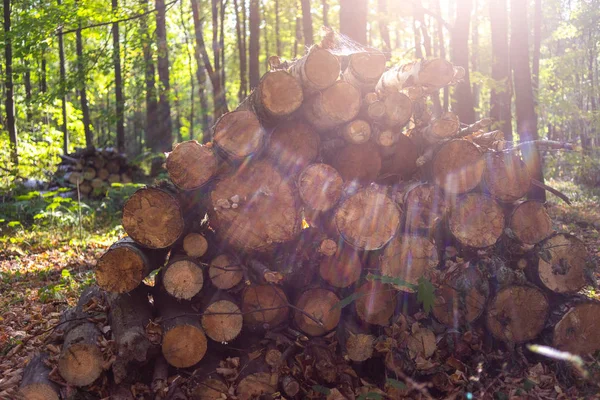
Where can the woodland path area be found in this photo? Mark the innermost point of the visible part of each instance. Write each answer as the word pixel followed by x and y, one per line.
pixel 39 281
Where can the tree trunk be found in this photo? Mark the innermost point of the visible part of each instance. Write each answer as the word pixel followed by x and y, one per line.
pixel 307 23
pixel 442 47
pixel 43 85
pixel 11 125
pixel 475 57
pixel 254 43
pixel 27 83
pixel 277 29
pixel 524 100
pixel 36 383
pixel 222 5
pixel 384 30
pixel 119 100
pixel 537 43
pixel 63 89
pixel 191 72
pixel 501 94
pixel 242 48
pixel 89 140
pixel 353 20
pixel 325 12
pixel 463 98
pixel 164 109
pixel 151 136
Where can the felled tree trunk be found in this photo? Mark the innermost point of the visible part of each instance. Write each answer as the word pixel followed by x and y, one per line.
pixel 264 306
pixel 398 109
pixel 375 303
pixel 529 222
pixel 292 146
pixel 476 221
pixel 355 339
pixel 239 134
pixel 222 319
pixel 356 132
pixel 578 331
pixel 225 272
pixel 358 162
pixel 424 206
pixel 153 218
pixel 317 70
pixel 430 74
pixel 125 264
pixel 36 384
pixel 182 278
pixel 458 166
pixel 320 186
pixel 316 312
pixel 400 159
pixel 506 177
pixel 341 269
pixel 364 69
pixel 333 106
pixel 444 127
pixel 277 96
pixel 191 165
pixel 195 245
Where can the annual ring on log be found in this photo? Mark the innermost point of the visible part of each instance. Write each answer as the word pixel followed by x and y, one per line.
pixel 562 263
pixel 320 186
pixel 152 217
pixel 578 331
pixel 517 314
pixel 239 134
pixel 183 279
pixel 222 321
pixel 530 222
pixel 121 269
pixel 506 176
pixel 191 165
pixel 264 305
pixel 409 257
pixel 424 205
pixel 358 162
pixel 375 303
pixel 368 219
pixel 320 305
pixel 225 272
pixel 280 94
pixel 341 269
pixel 458 166
pixel 476 220
pixel 184 345
pixel 333 106
pixel 317 70
pixel 195 245
pixel 81 364
pixel 292 146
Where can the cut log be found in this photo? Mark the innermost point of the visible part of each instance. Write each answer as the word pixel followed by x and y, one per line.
pixel 400 159
pixel 183 341
pixel 364 69
pixel 517 314
pixel 97 183
pixel 409 258
pixel 289 386
pixel 386 137
pixel 195 245
pixel 264 306
pixel 74 177
pixel 333 106
pixel 562 264
pixel 191 165
pixel 317 305
pixel 128 317
pixel 341 269
pixel 461 299
pixel 458 167
pixel 424 206
pixel 210 389
pixel 126 178
pixel 103 174
pixel 320 186
pixel 292 146
pixel 368 219
pixel 506 176
pixel 530 222
pixel 36 385
pixel 476 220
pixel 85 188
pixel 357 131
pixel 358 162
pixel 328 247
pixel 256 385
pixel 239 134
pixel 222 321
pixel 153 218
pixel 113 166
pixel 578 331
pixel 374 111
pixel 317 70
pixel 354 338
pixel 430 74
pixel 89 173
pixel 278 95
pixel 398 109
pixel 125 264
pixel 441 128
pixel 183 278
pixel 81 362
pixel 375 303
pixel 263 274
pixel 265 212
pixel 225 272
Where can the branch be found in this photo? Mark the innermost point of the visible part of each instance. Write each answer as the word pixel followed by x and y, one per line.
pixel 432 14
pixel 551 190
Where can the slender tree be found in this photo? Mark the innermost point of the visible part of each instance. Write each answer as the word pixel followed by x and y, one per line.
pixel 325 12
pixel 277 28
pixel 241 46
pixel 10 102
pixel 537 43
pixel 165 139
pixel 463 98
pixel 119 100
pixel 43 84
pixel 307 27
pixel 254 47
pixel 63 87
pixel 475 56
pixel 222 6
pixel 149 80
pixel 442 50
pixel 182 17
pixel 524 100
pixel 27 84
pixel 353 19
pixel 384 30
pixel 81 84
pixel 501 92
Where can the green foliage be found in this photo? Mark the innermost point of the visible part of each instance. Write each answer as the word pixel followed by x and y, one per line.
pixel 426 294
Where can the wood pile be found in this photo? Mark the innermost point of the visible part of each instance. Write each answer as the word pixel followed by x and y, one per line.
pixel 338 239
pixel 92 170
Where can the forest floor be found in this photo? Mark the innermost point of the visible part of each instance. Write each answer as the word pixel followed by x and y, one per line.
pixel 43 272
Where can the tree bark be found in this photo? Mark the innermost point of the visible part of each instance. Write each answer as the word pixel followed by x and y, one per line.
pixel 63 88
pixel 150 80
pixel 524 100
pixel 119 100
pixel 500 98
pixel 475 57
pixel 164 109
pixel 325 12
pixel 43 84
pixel 242 47
pixel 192 85
pixel 306 23
pixel 384 30
pixel 27 83
pixel 254 43
pixel 89 140
pixel 353 20
pixel 537 42
pixel 11 125
pixel 463 98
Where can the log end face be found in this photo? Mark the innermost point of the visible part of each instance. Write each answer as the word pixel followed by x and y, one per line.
pixel 506 177
pixel 81 364
pixel 360 163
pixel 578 332
pixel 184 345
pixel 292 146
pixel 476 220
pixel 341 101
pixel 341 269
pixel 320 304
pixel 183 279
pixel 239 134
pixel 38 391
pixel 562 263
pixel 320 186
pixel 222 321
pixel 376 303
pixel 195 245
pixel 264 305
pixel 360 347
pixel 210 389
pixel 225 272
pixel 152 217
pixel 190 165
pixel 281 93
pixel 530 222
pixel 458 167
pixel 321 69
pixel 120 270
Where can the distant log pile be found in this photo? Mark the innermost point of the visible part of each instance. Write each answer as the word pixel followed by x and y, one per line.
pixel 336 239
pixel 91 171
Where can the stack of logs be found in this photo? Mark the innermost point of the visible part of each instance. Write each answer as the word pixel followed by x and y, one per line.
pixel 297 251
pixel 93 170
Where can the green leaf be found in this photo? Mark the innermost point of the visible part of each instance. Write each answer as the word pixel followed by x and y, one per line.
pixel 321 389
pixel 392 281
pixel 370 395
pixel 426 294
pixel 65 274
pixel 396 384
pixel 546 255
pixel 347 301
pixel 528 385
pixel 13 224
